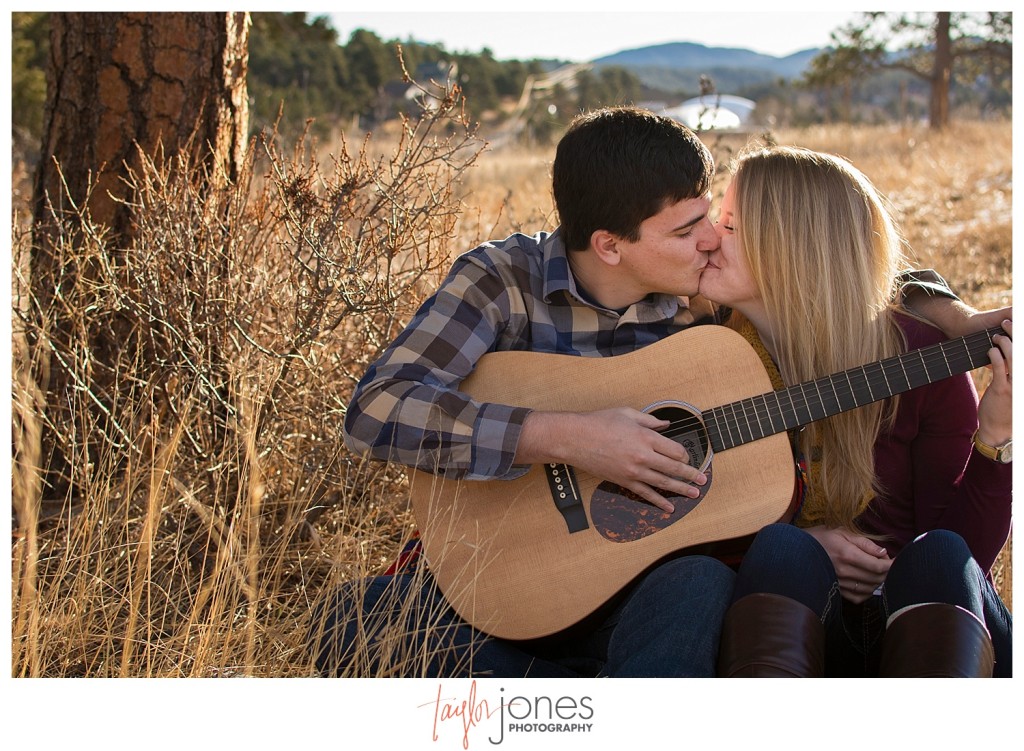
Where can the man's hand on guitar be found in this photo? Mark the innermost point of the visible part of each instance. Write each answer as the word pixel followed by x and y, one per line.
pixel 621 445
pixel 860 563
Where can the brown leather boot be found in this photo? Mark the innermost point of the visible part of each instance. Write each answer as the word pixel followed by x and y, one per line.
pixel 936 640
pixel 771 636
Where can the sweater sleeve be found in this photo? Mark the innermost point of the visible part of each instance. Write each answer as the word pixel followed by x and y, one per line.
pixel 955 487
pixel 951 485
pixel 930 476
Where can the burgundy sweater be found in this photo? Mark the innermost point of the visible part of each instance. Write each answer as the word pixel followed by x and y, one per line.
pixel 932 478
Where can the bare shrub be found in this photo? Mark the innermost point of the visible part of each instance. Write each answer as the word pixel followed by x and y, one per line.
pixel 242 316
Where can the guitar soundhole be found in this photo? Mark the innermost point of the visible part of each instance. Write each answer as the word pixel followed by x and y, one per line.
pixel 620 515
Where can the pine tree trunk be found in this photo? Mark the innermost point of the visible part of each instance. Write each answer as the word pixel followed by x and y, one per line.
pixel 117 84
pixel 942 73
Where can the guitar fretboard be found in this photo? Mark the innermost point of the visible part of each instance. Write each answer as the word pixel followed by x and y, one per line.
pixel 760 416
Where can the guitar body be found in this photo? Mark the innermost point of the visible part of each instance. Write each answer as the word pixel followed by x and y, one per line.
pixel 503 552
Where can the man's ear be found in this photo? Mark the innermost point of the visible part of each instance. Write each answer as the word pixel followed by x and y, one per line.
pixel 606 247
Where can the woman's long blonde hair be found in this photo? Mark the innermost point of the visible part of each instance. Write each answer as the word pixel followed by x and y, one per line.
pixel 825 253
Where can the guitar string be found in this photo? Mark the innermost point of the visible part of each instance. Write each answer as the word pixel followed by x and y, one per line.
pixel 911 365
pixel 865 376
pixel 841 391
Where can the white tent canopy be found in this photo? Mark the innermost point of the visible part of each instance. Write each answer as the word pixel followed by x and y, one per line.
pixel 721 111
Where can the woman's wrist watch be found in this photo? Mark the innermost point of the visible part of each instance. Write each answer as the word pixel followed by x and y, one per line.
pixel 1003 453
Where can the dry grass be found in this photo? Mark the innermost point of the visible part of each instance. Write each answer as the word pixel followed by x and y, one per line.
pixel 202 535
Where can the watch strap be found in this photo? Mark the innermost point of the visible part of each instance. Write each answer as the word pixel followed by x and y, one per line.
pixel 995 453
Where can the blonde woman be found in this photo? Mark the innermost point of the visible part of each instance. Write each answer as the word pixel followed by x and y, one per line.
pixel 906 502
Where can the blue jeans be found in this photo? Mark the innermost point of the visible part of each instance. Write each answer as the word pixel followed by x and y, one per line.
pixel 936 567
pixel 667 625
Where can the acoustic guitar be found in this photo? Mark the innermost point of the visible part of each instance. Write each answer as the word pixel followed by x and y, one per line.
pixel 531 557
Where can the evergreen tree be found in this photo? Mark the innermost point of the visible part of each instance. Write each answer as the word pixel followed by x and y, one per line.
pixel 931 47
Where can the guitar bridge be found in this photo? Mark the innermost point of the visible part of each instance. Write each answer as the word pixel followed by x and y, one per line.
pixel 565 492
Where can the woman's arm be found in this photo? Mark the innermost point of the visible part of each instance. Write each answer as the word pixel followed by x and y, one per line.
pixel 955 486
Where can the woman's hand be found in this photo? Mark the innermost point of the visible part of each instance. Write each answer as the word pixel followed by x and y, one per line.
pixel 860 563
pixel 995 412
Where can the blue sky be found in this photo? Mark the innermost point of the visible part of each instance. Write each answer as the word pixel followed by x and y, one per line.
pixel 580 36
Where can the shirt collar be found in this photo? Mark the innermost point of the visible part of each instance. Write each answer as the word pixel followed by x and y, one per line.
pixel 558 278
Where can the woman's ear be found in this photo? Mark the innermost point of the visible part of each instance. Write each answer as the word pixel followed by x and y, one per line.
pixel 606 246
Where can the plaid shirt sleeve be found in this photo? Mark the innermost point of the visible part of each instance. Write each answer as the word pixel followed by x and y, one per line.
pixel 408 409
pixel 927 280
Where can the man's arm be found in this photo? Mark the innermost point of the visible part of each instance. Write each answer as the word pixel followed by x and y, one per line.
pixel 954 317
pixel 928 296
pixel 408 407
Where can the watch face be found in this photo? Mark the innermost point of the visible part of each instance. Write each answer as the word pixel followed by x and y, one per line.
pixel 1006 453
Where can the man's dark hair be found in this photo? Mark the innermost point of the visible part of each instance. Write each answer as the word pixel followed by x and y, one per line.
pixel 616 167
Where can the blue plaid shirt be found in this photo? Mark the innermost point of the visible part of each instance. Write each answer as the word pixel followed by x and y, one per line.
pixel 515 294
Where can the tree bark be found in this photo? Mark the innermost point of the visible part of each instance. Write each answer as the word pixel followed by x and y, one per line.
pixel 159 82
pixel 942 73
pixel 118 84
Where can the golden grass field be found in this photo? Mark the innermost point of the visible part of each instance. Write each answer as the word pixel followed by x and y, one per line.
pixel 200 549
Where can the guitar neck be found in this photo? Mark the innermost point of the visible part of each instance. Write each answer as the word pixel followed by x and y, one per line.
pixel 760 416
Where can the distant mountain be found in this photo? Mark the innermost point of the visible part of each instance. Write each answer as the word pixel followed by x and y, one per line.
pixel 678 66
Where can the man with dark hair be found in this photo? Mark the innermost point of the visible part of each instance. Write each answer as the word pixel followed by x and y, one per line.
pixel 651 161
pixel 633 192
